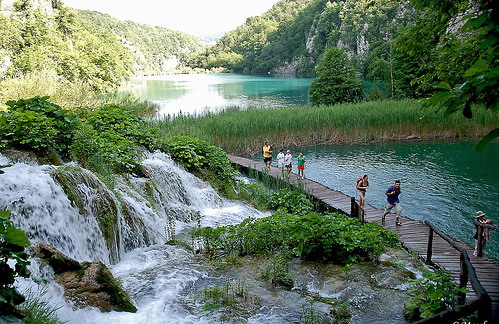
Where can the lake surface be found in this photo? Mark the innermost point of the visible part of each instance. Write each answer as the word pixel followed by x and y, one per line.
pixel 198 93
pixel 443 182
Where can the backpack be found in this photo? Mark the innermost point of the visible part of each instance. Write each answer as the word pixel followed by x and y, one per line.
pixel 357 182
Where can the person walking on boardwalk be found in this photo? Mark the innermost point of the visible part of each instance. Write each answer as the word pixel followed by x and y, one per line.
pixel 301 165
pixel 393 193
pixel 280 161
pixel 362 185
pixel 480 217
pixel 267 155
pixel 288 161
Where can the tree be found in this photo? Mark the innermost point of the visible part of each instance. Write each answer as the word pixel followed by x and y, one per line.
pixel 336 80
pixel 480 86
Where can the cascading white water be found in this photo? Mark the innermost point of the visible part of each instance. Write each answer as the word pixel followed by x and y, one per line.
pixel 46 214
pixel 149 211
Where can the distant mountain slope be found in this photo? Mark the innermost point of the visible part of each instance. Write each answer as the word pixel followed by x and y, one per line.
pixel 157 49
pixel 291 36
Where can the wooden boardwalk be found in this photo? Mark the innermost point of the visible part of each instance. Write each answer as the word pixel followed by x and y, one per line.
pixel 413 234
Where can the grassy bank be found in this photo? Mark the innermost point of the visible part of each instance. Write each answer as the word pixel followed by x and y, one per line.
pixel 243 131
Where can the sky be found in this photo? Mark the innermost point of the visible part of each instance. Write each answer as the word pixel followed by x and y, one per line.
pixel 200 18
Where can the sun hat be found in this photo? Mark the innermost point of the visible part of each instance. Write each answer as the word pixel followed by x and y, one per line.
pixel 288 151
pixel 480 214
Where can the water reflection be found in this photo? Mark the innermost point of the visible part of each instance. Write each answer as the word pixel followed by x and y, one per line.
pixel 199 93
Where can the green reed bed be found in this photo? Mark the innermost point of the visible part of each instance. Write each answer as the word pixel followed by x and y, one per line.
pixel 243 131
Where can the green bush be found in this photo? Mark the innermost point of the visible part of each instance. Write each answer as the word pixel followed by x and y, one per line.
pixel 194 153
pixel 109 139
pixel 433 293
pixel 326 238
pixel 37 124
pixel 290 201
pixel 13 263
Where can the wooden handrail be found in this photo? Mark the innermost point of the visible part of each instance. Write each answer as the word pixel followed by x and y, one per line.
pixel 483 304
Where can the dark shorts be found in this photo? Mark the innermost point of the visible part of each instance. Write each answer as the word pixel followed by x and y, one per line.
pixel 288 166
pixel 267 159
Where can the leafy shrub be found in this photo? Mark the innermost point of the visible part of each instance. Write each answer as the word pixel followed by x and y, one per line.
pixel 194 153
pixel 13 263
pixel 110 136
pixel 290 201
pixel 327 238
pixel 37 124
pixel 433 293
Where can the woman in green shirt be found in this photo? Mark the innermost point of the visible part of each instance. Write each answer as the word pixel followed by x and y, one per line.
pixel 301 165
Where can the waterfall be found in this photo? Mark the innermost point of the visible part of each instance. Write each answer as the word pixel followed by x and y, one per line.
pixel 71 209
pixel 124 226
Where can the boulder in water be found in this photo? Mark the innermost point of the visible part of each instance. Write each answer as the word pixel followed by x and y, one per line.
pixel 87 283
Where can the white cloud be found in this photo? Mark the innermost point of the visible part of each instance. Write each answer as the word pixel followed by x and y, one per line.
pixel 196 17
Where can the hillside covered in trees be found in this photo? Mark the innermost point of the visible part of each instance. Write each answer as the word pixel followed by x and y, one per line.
pixel 406 46
pixel 49 49
pixel 156 49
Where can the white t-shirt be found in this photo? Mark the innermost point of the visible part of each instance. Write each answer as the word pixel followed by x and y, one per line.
pixel 288 159
pixel 280 158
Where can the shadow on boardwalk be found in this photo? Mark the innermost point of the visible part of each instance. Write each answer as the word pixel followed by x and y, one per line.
pixel 413 234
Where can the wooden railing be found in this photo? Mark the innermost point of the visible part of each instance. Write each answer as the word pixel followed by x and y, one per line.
pixel 482 305
pixel 356 211
pixel 479 230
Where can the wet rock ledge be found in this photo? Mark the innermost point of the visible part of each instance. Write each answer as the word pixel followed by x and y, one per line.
pixel 87 283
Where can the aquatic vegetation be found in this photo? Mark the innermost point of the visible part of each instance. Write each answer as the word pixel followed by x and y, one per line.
pixel 326 238
pixel 243 131
pixel 433 293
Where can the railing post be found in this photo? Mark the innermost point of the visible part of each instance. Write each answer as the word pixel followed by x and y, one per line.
pixel 430 246
pixel 463 280
pixel 480 238
pixel 353 208
pixel 361 215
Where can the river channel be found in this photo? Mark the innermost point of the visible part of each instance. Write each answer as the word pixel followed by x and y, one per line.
pixel 445 182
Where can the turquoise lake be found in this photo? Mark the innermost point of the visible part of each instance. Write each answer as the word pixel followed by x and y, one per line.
pixel 199 93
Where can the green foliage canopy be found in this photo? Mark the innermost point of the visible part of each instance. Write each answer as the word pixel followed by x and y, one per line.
pixel 336 81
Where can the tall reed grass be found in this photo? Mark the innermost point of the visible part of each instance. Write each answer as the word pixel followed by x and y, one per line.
pixel 243 131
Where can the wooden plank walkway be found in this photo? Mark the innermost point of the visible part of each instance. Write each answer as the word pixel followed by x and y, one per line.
pixel 413 234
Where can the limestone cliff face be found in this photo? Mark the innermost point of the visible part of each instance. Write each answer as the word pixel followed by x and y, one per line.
pixel 353 26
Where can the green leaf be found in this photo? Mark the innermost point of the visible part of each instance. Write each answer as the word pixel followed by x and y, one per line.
pixel 479 66
pixel 444 86
pixel 16 236
pixel 5 214
pixel 486 140
pixel 439 97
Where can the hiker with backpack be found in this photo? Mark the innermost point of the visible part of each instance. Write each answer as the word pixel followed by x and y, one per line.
pixel 392 199
pixel 362 185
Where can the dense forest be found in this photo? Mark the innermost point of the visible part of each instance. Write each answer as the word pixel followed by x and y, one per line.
pixel 156 49
pixel 409 46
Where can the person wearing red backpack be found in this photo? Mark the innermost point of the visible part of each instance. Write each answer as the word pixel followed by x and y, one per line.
pixel 362 185
pixel 392 199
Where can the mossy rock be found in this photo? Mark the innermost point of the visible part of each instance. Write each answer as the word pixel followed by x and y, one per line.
pixel 95 286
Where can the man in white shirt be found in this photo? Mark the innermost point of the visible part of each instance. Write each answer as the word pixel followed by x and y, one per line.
pixel 280 161
pixel 288 161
